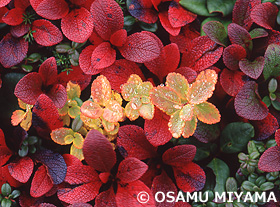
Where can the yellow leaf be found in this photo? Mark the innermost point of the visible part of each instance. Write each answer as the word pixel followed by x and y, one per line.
pixel 117 97
pixel 68 139
pixel 21 104
pixel 66 120
pixel 176 124
pixel 78 140
pixel 145 99
pixel 147 111
pixel 129 90
pixel 130 111
pixel 27 121
pixel 145 88
pixel 207 113
pixel 203 87
pixel 91 109
pixel 179 83
pixel 64 110
pixel 134 79
pixel 17 117
pixel 108 126
pixel 77 152
pixel 101 90
pixel 113 112
pixel 74 111
pixel 166 99
pixel 187 112
pixel 73 90
pixel 189 127
pixel 58 135
pixel 91 123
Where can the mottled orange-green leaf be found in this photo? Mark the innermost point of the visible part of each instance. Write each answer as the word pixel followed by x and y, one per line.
pixel 207 113
pixel 134 78
pixel 117 97
pixel 101 90
pixel 64 110
pixel 166 99
pixel 179 83
pixel 147 111
pixel 77 152
pixel 145 88
pixel 73 90
pixel 111 135
pixel 68 139
pixel 187 112
pixel 108 126
pixel 113 112
pixel 17 117
pixel 129 90
pixel 203 87
pixel 78 140
pixel 176 124
pixel 66 120
pixel 145 99
pixel 74 111
pixel 91 123
pixel 21 104
pixel 27 120
pixel 58 135
pixel 131 111
pixel 189 127
pixel 91 109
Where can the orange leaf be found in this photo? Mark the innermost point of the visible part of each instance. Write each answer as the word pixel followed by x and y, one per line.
pixel 91 109
pixel 58 135
pixel 101 90
pixel 113 112
pixel 17 117
pixel 207 113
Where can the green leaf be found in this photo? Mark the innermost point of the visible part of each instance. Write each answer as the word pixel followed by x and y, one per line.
pixel 276 104
pixel 272 61
pixel 6 189
pixel 221 171
pixel 128 23
pixel 15 194
pixel 235 137
pixel 216 31
pixel 197 7
pixel 231 185
pixel 6 203
pixel 272 85
pixel 224 21
pixel 258 33
pixel 222 6
pixel 148 27
pixel 267 101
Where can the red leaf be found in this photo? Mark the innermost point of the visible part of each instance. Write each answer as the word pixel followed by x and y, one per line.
pixel 185 37
pixel 13 17
pixel 119 38
pixel 48 71
pixel 179 155
pixel 22 169
pixel 120 71
pixel 142 10
pixel 95 39
pixel 103 56
pixel 166 63
pixel 50 9
pixel 3 10
pixel 20 30
pixel 41 183
pixel 76 76
pixel 58 95
pixel 248 104
pixel 46 205
pixel 46 33
pixel 71 160
pixel 232 81
pixel 253 69
pixel 107 17
pixel 141 47
pixel 178 16
pixel 85 61
pixel 2 139
pixel 156 129
pixel 131 169
pixel 77 26
pixel 56 166
pixel 4 2
pixel 232 55
pixel 78 2
pixel 13 50
pixel 80 174
pixel 25 200
pixel 202 54
pixel 189 177
pixel 270 160
pixel 106 199
pixel 277 137
pixel 21 4
pixel 241 12
pixel 162 183
pixel 132 142
pixel 103 157
pixel 188 73
pixel 28 89
pixel 265 15
pixel 163 17
pixel 266 127
pixel 240 36
pixel 5 154
pixel 127 195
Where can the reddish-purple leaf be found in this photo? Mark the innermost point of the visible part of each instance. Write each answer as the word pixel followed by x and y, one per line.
pixel 120 71
pixel 206 132
pixel 20 30
pixel 46 205
pixel 232 55
pixel 179 155
pixel 241 12
pixel 107 17
pixel 189 177
pixel 119 38
pixel 48 71
pixel 202 54
pixel 156 129
pixel 50 9
pixel 103 157
pixel 131 169
pixel 163 17
pixel 41 183
pixel 188 73
pixel 127 195
pixel 265 15
pixel 22 169
pixel 132 142
pixel 258 33
pixel 106 199
pixel 13 17
pixel 57 93
pixel 142 10
pixel 141 47
pixel 77 26
pixel 248 104
pixel 178 16
pixel 240 36
pixel 270 160
pixel 277 137
pixel 21 4
pixel 103 56
pixel 46 33
pixel 266 127
pixel 13 50
pixel 80 205
pixel 166 63
pixel 216 31
pixel 253 69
